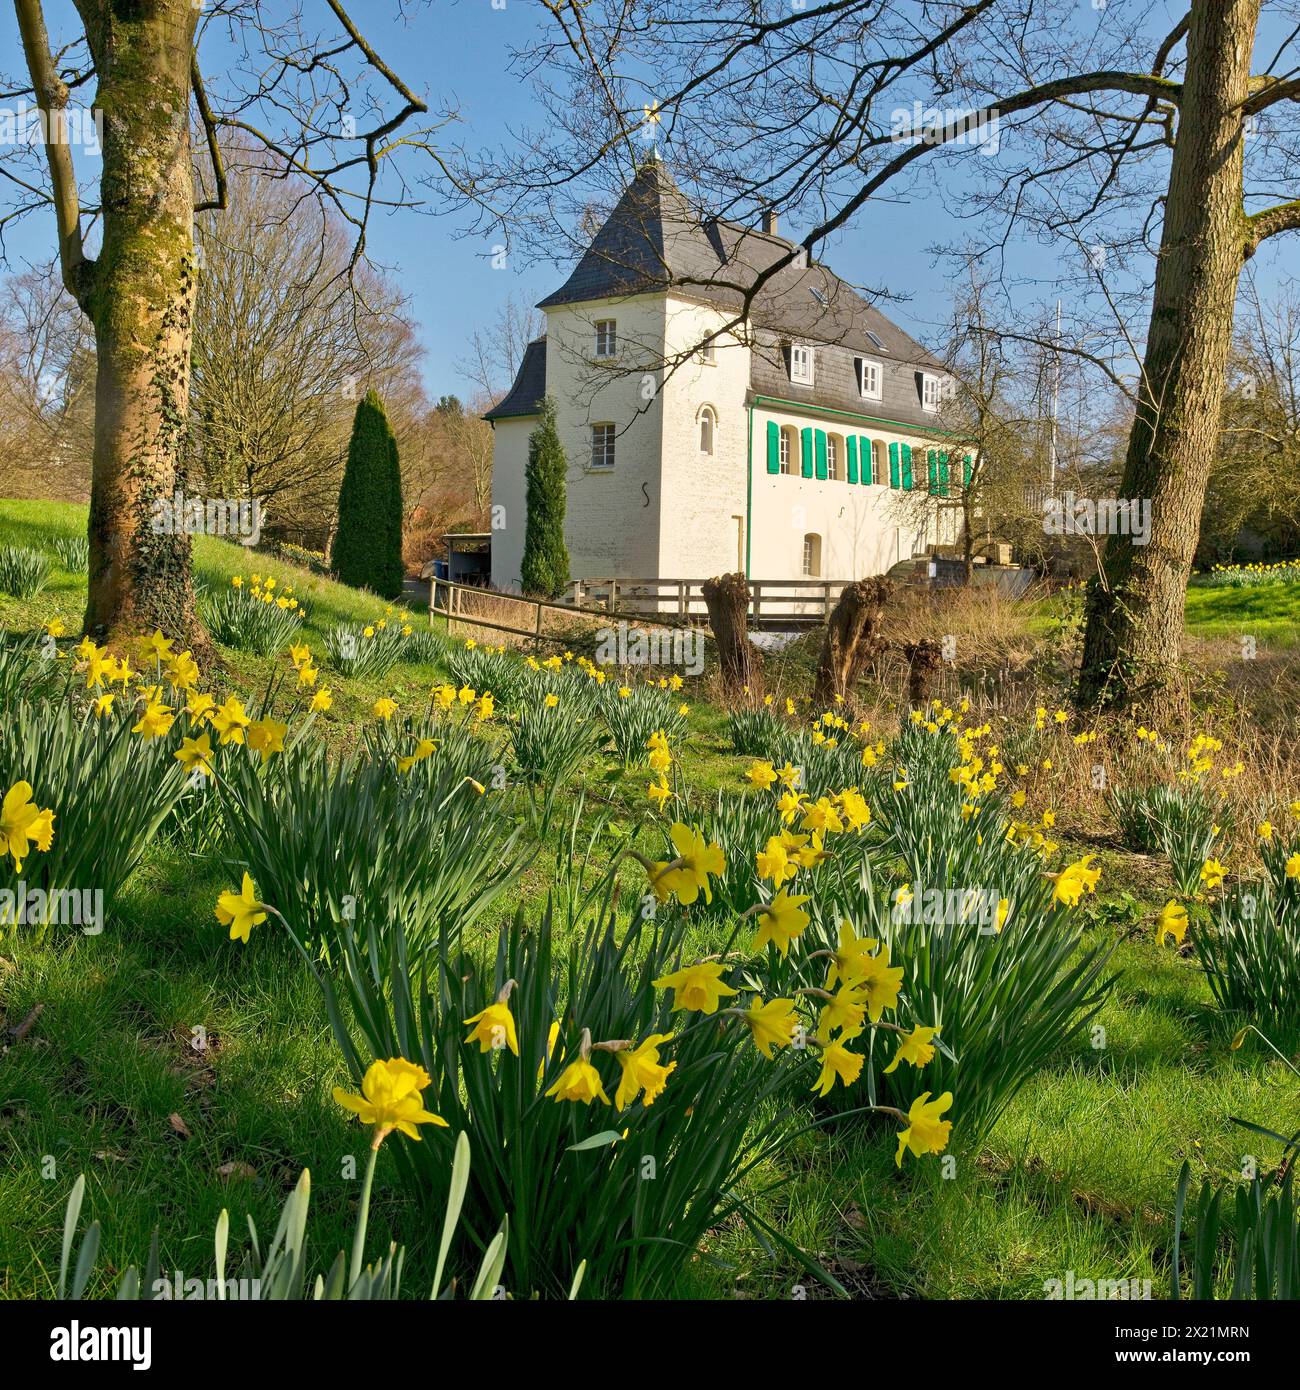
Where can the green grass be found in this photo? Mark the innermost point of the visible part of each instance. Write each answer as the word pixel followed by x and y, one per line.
pixel 36 524
pixel 1268 612
pixel 1078 1174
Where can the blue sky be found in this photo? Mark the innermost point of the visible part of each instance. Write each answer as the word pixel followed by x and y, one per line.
pixel 457 52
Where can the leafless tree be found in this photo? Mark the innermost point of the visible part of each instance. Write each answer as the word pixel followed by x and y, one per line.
pixel 47 389
pixel 495 351
pixel 286 341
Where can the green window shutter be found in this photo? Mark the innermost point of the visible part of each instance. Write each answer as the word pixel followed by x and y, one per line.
pixel 943 474
pixel 820 437
pixel 806 453
pixel 773 447
pixel 967 468
pixel 852 447
pixel 932 460
pixel 905 462
pixel 867 460
pixel 893 466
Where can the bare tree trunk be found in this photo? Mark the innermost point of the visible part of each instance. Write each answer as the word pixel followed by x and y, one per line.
pixel 852 639
pixel 727 599
pixel 141 306
pixel 923 659
pixel 1135 609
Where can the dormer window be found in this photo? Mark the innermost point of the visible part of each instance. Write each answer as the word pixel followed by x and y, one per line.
pixel 871 379
pixel 930 391
pixel 606 337
pixel 801 364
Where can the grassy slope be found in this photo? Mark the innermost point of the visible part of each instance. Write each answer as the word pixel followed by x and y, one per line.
pixel 1078 1174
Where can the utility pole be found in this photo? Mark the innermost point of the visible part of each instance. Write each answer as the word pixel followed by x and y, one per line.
pixel 1056 392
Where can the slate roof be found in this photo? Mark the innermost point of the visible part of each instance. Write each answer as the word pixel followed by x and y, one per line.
pixel 525 395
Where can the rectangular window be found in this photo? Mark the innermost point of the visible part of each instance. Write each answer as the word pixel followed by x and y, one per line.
pixel 832 459
pixel 809 556
pixel 929 392
pixel 801 364
pixel 870 379
pixel 708 353
pixel 785 451
pixel 602 446
pixel 606 337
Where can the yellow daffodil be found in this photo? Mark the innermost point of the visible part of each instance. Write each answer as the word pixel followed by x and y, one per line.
pixel 423 749
pixel 195 755
pixel 1074 881
pixel 774 1024
pixel 154 722
pixel 780 921
pixel 579 1081
pixel 230 720
pixel 390 1099
pixel 266 736
pixel 493 1028
pixel 697 988
pixel 695 863
pixel 761 774
pixel 642 1071
pixel 241 911
pixel 837 1062
pixel 198 708
pixel 23 824
pixel 1171 922
pixel 880 983
pixel 851 959
pixel 926 1133
pixel 843 1012
pixel 916 1049
pixel 773 862
pixel 384 708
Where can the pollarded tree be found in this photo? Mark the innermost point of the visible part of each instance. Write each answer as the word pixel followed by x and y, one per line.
pixel 367 551
pixel 320 103
pixel 546 560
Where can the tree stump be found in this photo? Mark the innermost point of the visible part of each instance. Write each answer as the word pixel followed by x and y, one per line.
pixel 852 639
pixel 923 659
pixel 727 599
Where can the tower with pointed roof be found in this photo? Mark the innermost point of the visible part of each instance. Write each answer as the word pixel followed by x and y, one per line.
pixel 721 413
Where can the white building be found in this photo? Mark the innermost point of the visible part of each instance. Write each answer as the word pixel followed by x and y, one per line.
pixel 802 442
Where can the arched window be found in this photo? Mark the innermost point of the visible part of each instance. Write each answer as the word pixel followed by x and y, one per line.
pixel 812 555
pixel 789 450
pixel 878 462
pixel 835 457
pixel 708 425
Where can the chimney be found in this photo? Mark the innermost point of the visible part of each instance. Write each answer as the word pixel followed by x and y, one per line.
pixel 769 221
